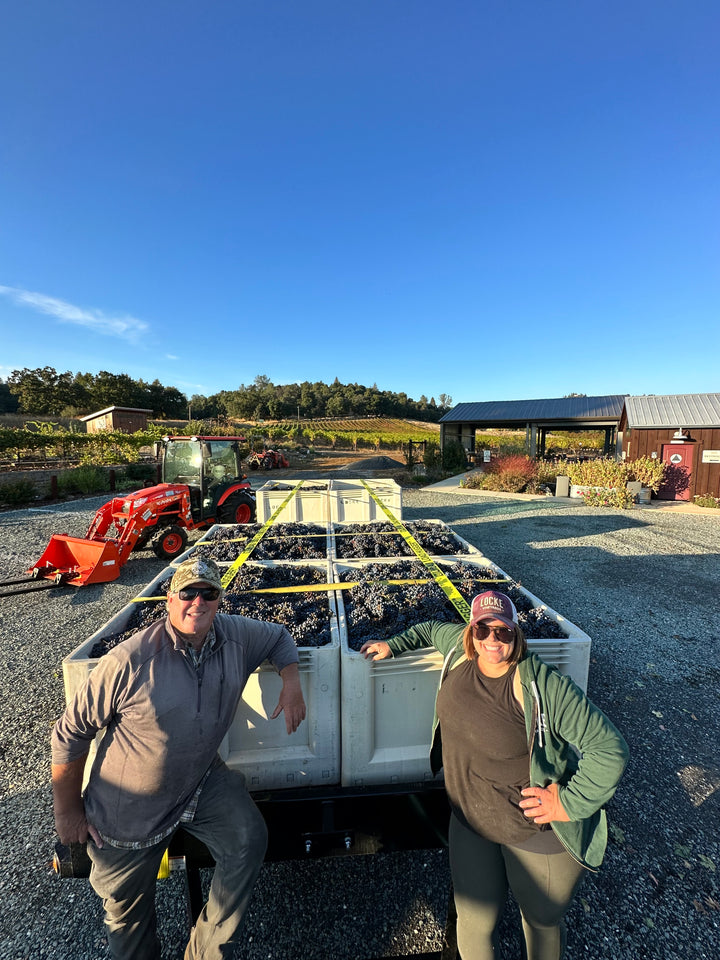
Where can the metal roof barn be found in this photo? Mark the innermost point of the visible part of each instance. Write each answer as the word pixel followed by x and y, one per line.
pixel 684 431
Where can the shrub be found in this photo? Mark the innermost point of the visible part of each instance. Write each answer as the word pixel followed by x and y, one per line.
pixel 454 458
pixel 649 471
pixel 474 481
pixel 509 481
pixel 547 472
pixel 602 472
pixel 618 497
pixel 515 463
pixel 432 457
pixel 140 471
pixel 706 500
pixel 407 478
pixel 17 492
pixel 515 473
pixel 84 479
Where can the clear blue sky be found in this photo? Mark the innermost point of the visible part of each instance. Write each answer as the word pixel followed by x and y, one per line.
pixel 491 199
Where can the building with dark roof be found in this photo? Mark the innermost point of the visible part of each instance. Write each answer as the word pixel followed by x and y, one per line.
pixel 536 417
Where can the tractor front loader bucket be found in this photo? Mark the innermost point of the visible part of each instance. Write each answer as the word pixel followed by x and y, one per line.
pixel 77 561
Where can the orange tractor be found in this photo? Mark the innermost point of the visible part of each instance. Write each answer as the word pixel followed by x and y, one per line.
pixel 268 460
pixel 202 484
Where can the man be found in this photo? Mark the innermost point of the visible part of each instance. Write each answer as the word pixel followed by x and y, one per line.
pixel 165 699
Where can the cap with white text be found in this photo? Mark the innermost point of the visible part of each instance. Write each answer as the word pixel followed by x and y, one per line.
pixel 492 605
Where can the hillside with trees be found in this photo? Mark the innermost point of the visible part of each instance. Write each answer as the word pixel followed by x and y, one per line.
pixel 44 391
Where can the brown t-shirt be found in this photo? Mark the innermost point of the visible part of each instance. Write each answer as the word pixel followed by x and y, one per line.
pixel 486 757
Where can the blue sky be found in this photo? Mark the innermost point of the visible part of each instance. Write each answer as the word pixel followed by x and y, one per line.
pixel 491 199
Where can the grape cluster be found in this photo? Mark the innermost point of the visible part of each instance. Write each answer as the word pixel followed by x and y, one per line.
pixel 258 576
pixel 143 615
pixel 284 541
pixel 278 485
pixel 471 579
pixel 537 624
pixel 307 616
pixel 376 610
pixel 358 540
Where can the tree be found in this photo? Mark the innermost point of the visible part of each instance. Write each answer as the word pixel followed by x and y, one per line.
pixel 335 406
pixel 8 401
pixel 445 402
pixel 42 390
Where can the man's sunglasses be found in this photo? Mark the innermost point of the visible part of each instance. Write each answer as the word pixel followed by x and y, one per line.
pixel 503 634
pixel 207 593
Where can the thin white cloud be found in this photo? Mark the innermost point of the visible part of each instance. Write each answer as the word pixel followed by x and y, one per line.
pixel 171 356
pixel 124 327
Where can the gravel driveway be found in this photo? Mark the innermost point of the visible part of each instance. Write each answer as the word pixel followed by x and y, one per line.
pixel 644 584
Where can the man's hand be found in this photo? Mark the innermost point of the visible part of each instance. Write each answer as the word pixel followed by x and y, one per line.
pixel 543 804
pixel 291 702
pixel 74 828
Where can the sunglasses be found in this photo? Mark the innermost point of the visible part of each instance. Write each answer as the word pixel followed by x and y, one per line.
pixel 207 593
pixel 503 634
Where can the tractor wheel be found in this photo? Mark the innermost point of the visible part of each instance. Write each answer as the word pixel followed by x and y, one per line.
pixel 239 508
pixel 254 465
pixel 170 542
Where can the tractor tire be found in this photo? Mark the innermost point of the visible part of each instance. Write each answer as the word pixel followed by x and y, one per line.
pixel 254 464
pixel 169 542
pixel 239 508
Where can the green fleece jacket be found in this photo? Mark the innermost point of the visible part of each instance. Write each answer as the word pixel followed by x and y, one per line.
pixel 571 741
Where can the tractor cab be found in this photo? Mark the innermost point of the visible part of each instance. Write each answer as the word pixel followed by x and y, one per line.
pixel 210 467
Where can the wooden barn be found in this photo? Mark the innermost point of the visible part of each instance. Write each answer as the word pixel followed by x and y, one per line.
pixel 123 419
pixel 684 431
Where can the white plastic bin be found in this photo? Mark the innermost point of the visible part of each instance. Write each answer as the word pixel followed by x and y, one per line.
pixel 256 745
pixel 387 706
pixel 351 501
pixel 308 504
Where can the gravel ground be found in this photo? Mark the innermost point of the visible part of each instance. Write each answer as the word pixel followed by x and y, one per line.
pixel 643 584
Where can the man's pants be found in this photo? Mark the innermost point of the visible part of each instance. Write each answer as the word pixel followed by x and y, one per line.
pixel 543 886
pixel 232 828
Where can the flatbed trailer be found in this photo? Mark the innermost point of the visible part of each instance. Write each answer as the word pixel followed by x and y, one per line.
pixel 315 823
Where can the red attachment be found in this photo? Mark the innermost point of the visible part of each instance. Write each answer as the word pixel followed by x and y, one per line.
pixel 85 561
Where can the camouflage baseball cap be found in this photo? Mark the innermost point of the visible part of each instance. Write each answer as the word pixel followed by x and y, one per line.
pixel 196 571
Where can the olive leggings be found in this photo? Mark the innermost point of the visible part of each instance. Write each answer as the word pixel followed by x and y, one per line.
pixel 543 886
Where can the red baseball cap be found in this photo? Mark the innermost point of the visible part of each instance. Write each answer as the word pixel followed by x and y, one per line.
pixel 492 605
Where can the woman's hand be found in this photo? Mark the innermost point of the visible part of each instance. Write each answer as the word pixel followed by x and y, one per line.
pixel 543 804
pixel 381 650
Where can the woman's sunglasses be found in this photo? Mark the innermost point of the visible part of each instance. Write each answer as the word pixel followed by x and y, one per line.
pixel 503 634
pixel 207 593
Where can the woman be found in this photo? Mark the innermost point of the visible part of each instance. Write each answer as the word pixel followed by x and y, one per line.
pixel 526 812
